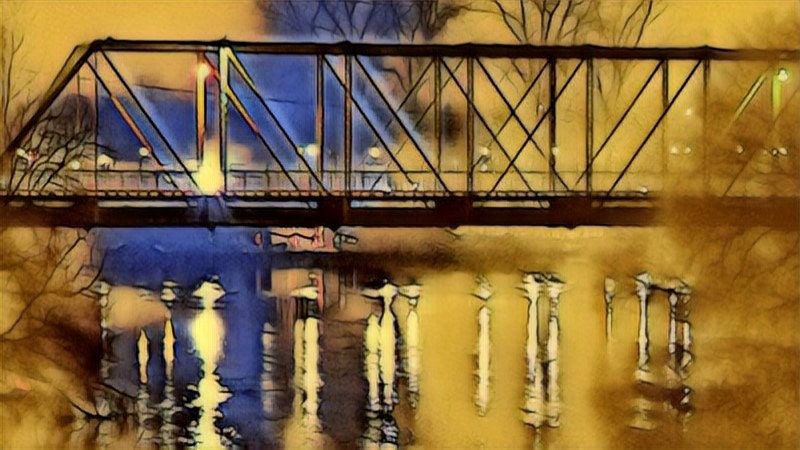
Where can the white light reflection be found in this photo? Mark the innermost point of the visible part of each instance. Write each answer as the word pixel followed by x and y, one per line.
pixel 381 338
pixel 372 338
pixel 144 413
pixel 484 292
pixel 208 334
pixel 312 382
pixel 413 354
pixel 554 288
pixel 533 408
pixel 388 361
pixel 484 355
pixel 168 407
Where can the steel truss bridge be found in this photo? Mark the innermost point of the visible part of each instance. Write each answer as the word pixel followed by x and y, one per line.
pixel 209 133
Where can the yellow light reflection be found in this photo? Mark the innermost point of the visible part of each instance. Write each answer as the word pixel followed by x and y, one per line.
pixel 312 382
pixel 388 363
pixel 484 350
pixel 372 344
pixel 144 356
pixel 208 333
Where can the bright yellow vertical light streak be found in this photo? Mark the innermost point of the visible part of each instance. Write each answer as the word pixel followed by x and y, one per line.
pixel 388 363
pixel 208 334
pixel 144 356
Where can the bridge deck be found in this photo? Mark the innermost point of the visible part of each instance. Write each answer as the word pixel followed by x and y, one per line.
pixel 334 211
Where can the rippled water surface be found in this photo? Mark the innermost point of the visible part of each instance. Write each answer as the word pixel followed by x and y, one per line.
pixel 266 349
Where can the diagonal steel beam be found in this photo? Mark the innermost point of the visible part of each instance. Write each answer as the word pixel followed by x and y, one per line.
pixel 655 126
pixel 149 119
pixel 245 115
pixel 473 109
pixel 349 96
pixel 240 108
pixel 539 123
pixel 514 114
pixel 79 56
pixel 125 117
pixel 240 67
pixel 402 124
pixel 619 122
pixel 523 97
pixel 425 112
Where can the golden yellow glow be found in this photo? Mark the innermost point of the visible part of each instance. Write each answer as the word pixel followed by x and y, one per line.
pixel 144 356
pixel 203 71
pixel 208 334
pixel 371 346
pixel 209 177
pixel 169 347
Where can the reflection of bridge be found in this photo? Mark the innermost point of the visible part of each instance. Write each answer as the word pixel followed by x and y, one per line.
pixel 146 132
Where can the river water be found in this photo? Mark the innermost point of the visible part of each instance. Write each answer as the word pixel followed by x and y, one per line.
pixel 414 343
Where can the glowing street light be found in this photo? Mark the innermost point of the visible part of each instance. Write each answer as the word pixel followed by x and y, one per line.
pixel 312 150
pixel 203 71
pixel 374 152
pixel 782 75
pixel 74 164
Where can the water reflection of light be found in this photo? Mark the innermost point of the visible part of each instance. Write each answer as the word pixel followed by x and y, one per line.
pixel 307 382
pixel 483 292
pixel 554 288
pixel 380 347
pixel 143 355
pixel 534 390
pixel 388 360
pixel 413 353
pixel 312 381
pixel 484 349
pixel 387 342
pixel 208 333
pixel 168 407
pixel 372 337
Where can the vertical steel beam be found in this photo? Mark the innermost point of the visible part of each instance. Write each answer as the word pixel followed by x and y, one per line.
pixel 223 114
pixel 437 111
pixel 96 126
pixel 551 163
pixel 470 123
pixel 706 79
pixel 200 107
pixel 348 122
pixel 320 118
pixel 664 131
pixel 589 124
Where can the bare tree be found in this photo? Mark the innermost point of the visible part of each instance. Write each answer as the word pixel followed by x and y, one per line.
pixel 43 276
pixel 16 97
pixel 359 20
pixel 393 21
pixel 574 22
pixel 59 146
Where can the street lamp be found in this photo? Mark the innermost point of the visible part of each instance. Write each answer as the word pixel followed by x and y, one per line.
pixel 374 152
pixel 781 76
pixel 144 153
pixel 203 71
pixel 484 156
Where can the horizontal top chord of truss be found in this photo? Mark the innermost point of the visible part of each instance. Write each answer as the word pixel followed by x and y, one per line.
pixel 451 50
